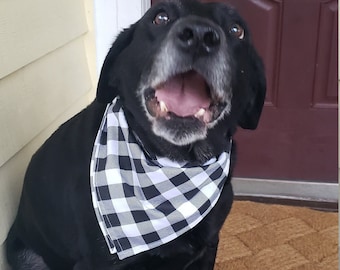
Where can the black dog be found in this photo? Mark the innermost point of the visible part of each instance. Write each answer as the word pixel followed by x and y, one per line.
pixel 187 75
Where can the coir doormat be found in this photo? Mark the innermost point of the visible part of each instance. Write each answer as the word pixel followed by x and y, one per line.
pixel 261 236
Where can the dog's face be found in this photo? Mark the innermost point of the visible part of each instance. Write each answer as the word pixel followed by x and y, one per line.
pixel 188 74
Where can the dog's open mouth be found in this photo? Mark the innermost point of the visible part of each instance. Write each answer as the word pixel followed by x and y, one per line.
pixel 186 95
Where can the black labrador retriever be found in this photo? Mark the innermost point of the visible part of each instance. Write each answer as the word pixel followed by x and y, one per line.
pixel 186 75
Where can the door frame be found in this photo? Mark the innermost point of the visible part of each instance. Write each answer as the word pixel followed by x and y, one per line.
pixel 110 20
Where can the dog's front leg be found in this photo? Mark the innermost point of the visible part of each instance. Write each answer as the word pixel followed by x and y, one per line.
pixel 205 260
pixel 82 265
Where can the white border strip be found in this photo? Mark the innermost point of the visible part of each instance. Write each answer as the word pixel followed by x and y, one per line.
pixel 297 190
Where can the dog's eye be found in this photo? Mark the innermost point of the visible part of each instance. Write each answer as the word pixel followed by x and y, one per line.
pixel 161 18
pixel 237 31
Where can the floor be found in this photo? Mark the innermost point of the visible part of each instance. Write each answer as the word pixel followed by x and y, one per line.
pixel 270 236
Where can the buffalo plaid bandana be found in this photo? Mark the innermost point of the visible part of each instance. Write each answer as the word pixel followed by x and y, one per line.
pixel 141 201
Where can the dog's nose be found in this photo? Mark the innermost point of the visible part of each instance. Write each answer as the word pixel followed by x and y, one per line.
pixel 198 37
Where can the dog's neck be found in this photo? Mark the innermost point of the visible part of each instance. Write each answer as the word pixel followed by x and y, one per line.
pixel 199 151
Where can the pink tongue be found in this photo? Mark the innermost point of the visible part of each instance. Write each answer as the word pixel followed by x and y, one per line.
pixel 184 94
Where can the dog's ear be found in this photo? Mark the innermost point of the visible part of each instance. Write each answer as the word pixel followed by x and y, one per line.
pixel 257 88
pixel 106 90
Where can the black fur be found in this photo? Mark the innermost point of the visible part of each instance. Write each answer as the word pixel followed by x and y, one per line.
pixel 56 227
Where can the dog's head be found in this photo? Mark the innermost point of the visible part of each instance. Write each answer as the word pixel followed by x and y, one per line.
pixel 188 74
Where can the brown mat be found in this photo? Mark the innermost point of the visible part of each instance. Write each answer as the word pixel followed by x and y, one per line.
pixel 274 237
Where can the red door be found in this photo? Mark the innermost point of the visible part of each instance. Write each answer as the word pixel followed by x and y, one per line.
pixel 297 138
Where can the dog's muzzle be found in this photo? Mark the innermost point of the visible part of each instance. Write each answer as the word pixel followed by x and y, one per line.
pixel 188 89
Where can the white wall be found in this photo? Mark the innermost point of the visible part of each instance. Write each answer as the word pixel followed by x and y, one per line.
pixel 47 74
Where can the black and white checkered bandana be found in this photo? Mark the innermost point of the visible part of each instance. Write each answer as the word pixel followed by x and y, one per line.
pixel 142 202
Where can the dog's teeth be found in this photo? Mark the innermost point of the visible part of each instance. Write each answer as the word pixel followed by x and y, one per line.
pixel 163 107
pixel 200 113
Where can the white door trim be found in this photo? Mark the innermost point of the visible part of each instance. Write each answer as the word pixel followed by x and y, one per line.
pixel 111 16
